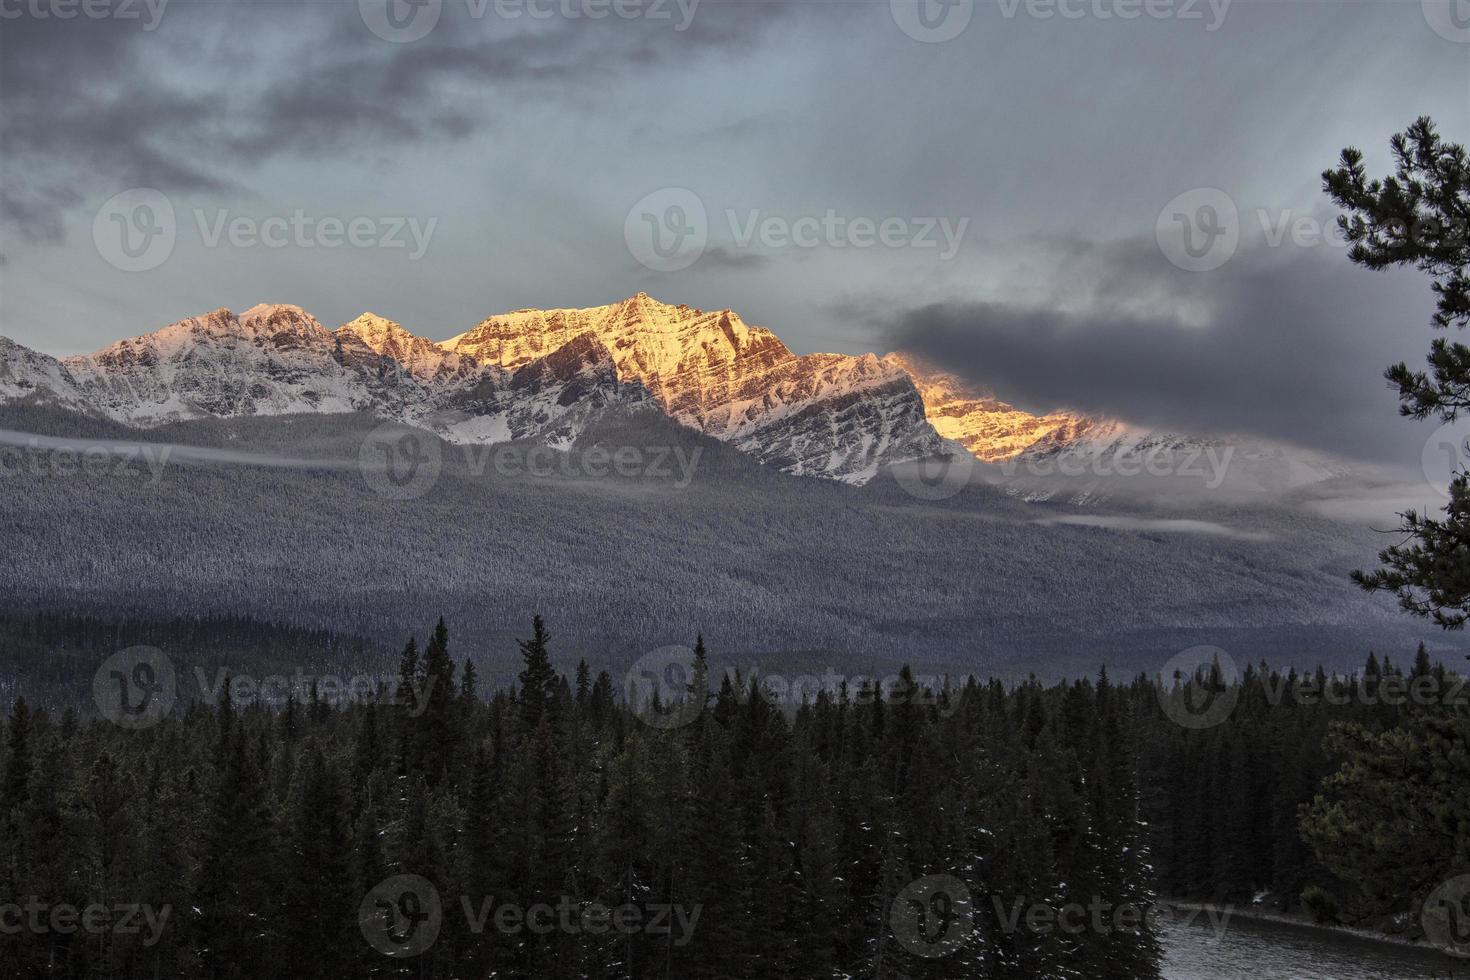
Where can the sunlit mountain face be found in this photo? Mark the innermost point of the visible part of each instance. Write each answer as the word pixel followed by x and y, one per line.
pixel 512 375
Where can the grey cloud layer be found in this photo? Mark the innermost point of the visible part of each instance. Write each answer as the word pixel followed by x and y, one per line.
pixel 528 141
pixel 1293 347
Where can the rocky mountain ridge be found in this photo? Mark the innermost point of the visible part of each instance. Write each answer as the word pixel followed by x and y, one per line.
pixel 545 373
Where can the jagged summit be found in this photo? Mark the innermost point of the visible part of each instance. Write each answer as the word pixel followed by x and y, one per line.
pixel 822 414
pixel 520 373
pixel 988 427
pixel 421 358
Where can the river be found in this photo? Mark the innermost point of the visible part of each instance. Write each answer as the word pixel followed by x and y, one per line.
pixel 1247 949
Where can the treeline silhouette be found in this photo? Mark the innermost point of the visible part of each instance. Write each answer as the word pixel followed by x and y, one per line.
pixel 700 827
pixel 798 843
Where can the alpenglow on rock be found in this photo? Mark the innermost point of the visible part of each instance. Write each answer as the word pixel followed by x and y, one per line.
pixel 545 374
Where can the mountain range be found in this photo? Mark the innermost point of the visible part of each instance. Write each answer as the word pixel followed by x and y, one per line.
pixel 544 373
pixel 1050 552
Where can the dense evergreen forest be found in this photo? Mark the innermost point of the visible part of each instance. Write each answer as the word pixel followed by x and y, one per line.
pixel 553 829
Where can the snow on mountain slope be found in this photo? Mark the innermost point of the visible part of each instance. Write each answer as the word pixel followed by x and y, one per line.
pixel 547 373
pixel 826 415
pixel 986 426
pixel 1112 456
pixel 25 373
pixel 277 360
pixel 553 397
pixel 1086 458
pixel 270 360
pixel 423 359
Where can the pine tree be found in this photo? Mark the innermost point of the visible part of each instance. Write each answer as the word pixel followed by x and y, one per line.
pixel 537 678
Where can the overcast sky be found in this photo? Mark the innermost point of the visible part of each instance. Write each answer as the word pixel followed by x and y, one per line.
pixel 989 183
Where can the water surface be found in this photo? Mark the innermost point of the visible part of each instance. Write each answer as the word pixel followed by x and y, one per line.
pixel 1251 950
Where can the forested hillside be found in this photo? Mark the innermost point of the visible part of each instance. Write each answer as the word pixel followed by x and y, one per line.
pixel 709 827
pixel 907 835
pixel 766 565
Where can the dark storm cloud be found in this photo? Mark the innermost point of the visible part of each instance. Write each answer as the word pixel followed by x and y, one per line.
pixel 90 107
pixel 1293 347
pixel 723 257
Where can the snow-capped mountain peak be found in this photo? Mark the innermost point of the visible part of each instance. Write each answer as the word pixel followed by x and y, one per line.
pixel 988 427
pixel 422 358
pixel 546 372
